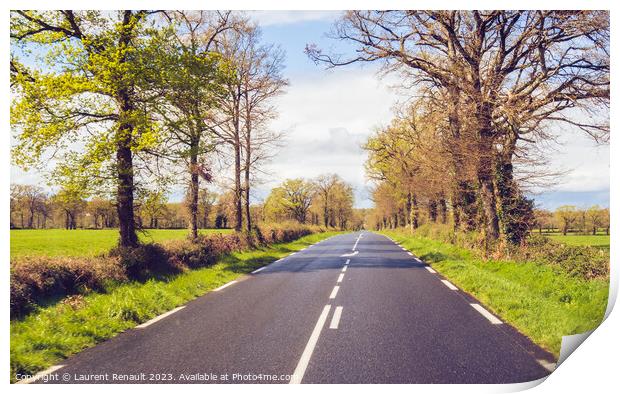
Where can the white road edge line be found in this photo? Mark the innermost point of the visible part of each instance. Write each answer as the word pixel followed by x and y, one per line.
pixel 344 269
pixel 259 270
pixel 449 285
pixel 429 269
pixel 39 375
pixel 340 278
pixel 490 317
pixel 547 365
pixel 410 254
pixel 336 318
pixel 334 292
pixel 300 370
pixel 158 318
pixel 226 285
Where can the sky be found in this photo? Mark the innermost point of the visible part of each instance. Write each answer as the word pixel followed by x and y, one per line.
pixel 327 115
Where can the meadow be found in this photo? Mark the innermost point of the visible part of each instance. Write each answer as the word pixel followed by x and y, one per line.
pixel 82 242
pixel 600 241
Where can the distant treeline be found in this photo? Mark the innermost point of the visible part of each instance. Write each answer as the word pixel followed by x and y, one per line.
pixel 325 201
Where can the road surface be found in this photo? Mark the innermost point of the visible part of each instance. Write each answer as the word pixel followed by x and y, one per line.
pixel 355 308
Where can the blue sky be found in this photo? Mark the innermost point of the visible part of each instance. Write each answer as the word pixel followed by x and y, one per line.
pixel 327 115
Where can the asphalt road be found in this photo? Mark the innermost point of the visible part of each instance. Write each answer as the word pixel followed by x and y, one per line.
pixel 355 308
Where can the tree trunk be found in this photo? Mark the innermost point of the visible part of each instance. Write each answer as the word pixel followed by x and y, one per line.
pixel 248 158
pixel 443 210
pixel 485 173
pixel 409 210
pixel 124 156
pixel 193 190
pixel 416 214
pixel 125 187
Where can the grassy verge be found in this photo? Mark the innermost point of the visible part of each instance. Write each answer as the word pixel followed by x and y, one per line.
pixel 540 301
pixel 80 242
pixel 53 333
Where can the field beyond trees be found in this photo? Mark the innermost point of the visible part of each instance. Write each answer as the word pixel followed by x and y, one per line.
pixel 600 241
pixel 81 242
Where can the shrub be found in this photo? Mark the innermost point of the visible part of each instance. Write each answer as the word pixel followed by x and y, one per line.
pixel 38 278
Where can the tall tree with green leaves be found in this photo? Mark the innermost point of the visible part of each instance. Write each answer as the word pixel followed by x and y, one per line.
pixel 192 83
pixel 83 103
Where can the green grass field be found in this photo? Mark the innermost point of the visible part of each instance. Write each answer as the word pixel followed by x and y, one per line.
pixel 52 333
pixel 541 302
pixel 60 242
pixel 598 241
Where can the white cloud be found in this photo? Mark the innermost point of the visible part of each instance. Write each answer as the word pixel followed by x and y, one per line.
pixel 328 116
pixel 268 18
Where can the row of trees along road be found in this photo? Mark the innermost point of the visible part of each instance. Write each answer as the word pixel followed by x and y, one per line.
pixel 127 102
pixel 485 87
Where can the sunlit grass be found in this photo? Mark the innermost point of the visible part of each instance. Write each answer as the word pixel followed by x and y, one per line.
pixel 52 333
pixel 541 302
pixel 80 242
pixel 598 241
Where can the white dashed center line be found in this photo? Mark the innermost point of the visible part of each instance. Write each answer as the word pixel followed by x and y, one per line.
pixel 334 292
pixel 347 262
pixel 300 370
pixel 340 278
pixel 336 318
pixel 344 269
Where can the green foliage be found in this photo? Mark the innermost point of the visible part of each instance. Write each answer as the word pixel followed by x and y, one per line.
pixel 539 300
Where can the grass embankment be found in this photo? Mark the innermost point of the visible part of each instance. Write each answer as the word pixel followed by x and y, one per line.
pixel 80 242
pixel 597 241
pixel 541 301
pixel 52 333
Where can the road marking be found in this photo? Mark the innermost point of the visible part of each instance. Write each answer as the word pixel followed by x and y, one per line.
pixel 418 260
pixel 450 285
pixel 410 254
pixel 334 292
pixel 336 318
pixel 490 317
pixel 259 270
pixel 340 278
pixel 226 285
pixel 350 254
pixel 358 239
pixel 292 253
pixel 39 375
pixel 344 269
pixel 347 262
pixel 300 370
pixel 158 318
pixel 547 365
pixel 429 269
